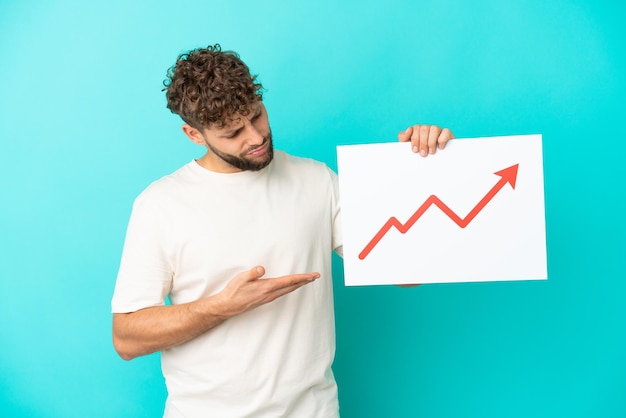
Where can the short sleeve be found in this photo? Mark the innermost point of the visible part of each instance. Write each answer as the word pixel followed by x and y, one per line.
pixel 145 276
pixel 336 211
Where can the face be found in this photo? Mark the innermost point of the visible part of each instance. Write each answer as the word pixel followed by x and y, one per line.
pixel 244 144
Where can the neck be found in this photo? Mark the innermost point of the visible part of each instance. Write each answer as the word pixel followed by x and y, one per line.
pixel 212 162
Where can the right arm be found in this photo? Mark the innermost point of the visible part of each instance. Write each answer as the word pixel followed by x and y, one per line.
pixel 161 327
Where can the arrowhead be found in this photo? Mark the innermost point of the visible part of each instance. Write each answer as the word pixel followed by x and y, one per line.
pixel 509 175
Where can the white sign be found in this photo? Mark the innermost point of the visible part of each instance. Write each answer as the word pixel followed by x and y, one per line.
pixel 472 212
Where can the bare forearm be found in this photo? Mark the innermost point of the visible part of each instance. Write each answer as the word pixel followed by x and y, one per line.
pixel 158 328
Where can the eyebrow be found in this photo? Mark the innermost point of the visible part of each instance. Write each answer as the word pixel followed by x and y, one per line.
pixel 231 132
pixel 234 131
pixel 257 113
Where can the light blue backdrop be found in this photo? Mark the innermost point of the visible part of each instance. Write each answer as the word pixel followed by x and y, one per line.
pixel 83 129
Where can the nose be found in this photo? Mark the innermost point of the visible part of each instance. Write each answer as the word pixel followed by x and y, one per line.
pixel 254 136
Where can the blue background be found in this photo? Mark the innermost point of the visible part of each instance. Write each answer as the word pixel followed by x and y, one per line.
pixel 84 128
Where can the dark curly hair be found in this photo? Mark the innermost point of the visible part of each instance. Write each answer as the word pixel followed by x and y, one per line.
pixel 207 87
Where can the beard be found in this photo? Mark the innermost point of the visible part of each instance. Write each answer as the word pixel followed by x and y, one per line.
pixel 245 162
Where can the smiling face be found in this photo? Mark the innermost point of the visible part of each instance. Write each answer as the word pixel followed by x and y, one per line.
pixel 245 143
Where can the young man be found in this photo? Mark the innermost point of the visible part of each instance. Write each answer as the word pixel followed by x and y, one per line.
pixel 241 241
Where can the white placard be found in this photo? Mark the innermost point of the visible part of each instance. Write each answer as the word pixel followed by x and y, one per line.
pixel 472 212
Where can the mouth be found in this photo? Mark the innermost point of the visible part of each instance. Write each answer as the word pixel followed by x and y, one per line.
pixel 260 150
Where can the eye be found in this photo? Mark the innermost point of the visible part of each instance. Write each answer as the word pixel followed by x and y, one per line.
pixel 232 135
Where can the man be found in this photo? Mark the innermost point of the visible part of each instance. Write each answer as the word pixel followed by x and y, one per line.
pixel 240 240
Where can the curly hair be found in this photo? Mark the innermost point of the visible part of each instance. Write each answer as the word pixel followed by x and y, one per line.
pixel 207 87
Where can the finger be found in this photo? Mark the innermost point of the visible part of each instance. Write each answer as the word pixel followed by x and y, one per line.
pixel 293 280
pixel 405 136
pixel 271 296
pixel 421 140
pixel 253 274
pixel 433 137
pixel 415 138
pixel 275 283
pixel 446 135
pixel 257 272
pixel 282 285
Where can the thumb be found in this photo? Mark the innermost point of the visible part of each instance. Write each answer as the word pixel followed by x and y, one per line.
pixel 257 272
pixel 249 275
pixel 405 135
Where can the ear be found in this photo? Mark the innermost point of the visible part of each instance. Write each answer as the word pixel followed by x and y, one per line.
pixel 193 134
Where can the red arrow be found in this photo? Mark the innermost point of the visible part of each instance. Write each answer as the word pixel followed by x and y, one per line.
pixel 508 175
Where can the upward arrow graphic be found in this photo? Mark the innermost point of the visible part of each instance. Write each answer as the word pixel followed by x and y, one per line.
pixel 508 175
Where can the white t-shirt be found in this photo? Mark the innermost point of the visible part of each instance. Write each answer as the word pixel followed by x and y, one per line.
pixel 189 234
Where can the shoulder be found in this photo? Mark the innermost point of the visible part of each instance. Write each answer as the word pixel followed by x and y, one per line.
pixel 164 188
pixel 302 166
pixel 305 176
